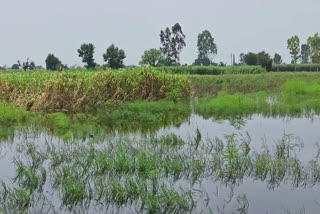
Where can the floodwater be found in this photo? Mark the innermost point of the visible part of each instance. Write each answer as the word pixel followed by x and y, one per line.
pixel 67 176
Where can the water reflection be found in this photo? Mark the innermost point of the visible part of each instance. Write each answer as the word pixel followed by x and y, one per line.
pixel 245 165
pixel 164 174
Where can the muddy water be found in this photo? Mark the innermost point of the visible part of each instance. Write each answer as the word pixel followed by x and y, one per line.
pixel 209 193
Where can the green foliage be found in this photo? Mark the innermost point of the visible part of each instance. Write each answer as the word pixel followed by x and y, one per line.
pixel 15 67
pixel 277 59
pixel 305 53
pixel 172 42
pixel 213 70
pixel 293 44
pixel 10 114
pixel 250 59
pixel 314 45
pixel 52 63
pixel 86 52
pixel 27 65
pixel 262 58
pixel 238 104
pixel 207 49
pixel 114 57
pixel 152 57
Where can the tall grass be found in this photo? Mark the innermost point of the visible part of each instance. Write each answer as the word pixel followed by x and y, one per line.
pixel 74 91
pixel 213 70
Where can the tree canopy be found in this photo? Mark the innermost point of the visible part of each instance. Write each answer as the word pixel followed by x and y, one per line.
pixel 86 52
pixel 314 46
pixel 52 63
pixel 172 42
pixel 277 59
pixel 114 57
pixel 152 57
pixel 207 49
pixel 293 44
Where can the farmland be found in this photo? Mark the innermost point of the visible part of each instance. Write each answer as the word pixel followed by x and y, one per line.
pixel 152 141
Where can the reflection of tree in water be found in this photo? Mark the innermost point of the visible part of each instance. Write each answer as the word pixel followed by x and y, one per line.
pixel 148 175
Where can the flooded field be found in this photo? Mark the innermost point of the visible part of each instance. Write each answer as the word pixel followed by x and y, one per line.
pixel 255 164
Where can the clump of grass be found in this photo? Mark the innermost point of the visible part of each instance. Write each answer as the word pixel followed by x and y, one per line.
pixel 226 105
pixel 10 114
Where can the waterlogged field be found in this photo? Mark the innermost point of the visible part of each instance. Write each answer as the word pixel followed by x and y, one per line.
pixel 236 150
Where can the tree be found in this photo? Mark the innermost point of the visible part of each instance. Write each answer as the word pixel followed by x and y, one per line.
pixel 264 60
pixel 172 43
pixel 294 48
pixel 152 57
pixel 250 59
pixel 242 60
pixel 305 53
pixel 277 59
pixel 114 57
pixel 15 67
pixel 314 44
pixel 86 52
pixel 27 65
pixel 52 63
pixel 207 49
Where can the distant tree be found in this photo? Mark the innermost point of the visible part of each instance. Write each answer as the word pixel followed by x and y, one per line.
pixel 15 67
pixel 86 52
pixel 264 60
pixel 172 43
pixel 39 67
pixel 314 44
pixel 27 65
pixel 114 57
pixel 294 48
pixel 4 67
pixel 152 57
pixel 242 60
pixel 277 59
pixel 305 53
pixel 207 49
pixel 250 58
pixel 52 63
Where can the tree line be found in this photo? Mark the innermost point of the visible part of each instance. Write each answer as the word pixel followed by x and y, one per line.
pixel 172 42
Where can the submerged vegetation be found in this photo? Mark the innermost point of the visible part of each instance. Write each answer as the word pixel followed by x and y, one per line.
pixel 151 175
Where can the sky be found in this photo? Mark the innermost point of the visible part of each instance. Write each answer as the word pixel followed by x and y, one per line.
pixel 34 28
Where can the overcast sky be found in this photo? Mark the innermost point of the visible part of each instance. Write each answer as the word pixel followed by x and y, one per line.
pixel 34 28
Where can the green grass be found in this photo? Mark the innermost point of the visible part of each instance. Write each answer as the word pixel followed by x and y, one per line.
pixel 10 114
pixel 294 99
pixel 269 82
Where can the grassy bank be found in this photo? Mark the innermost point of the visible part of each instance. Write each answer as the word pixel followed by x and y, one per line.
pixel 78 91
pixel 294 98
pixel 269 82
